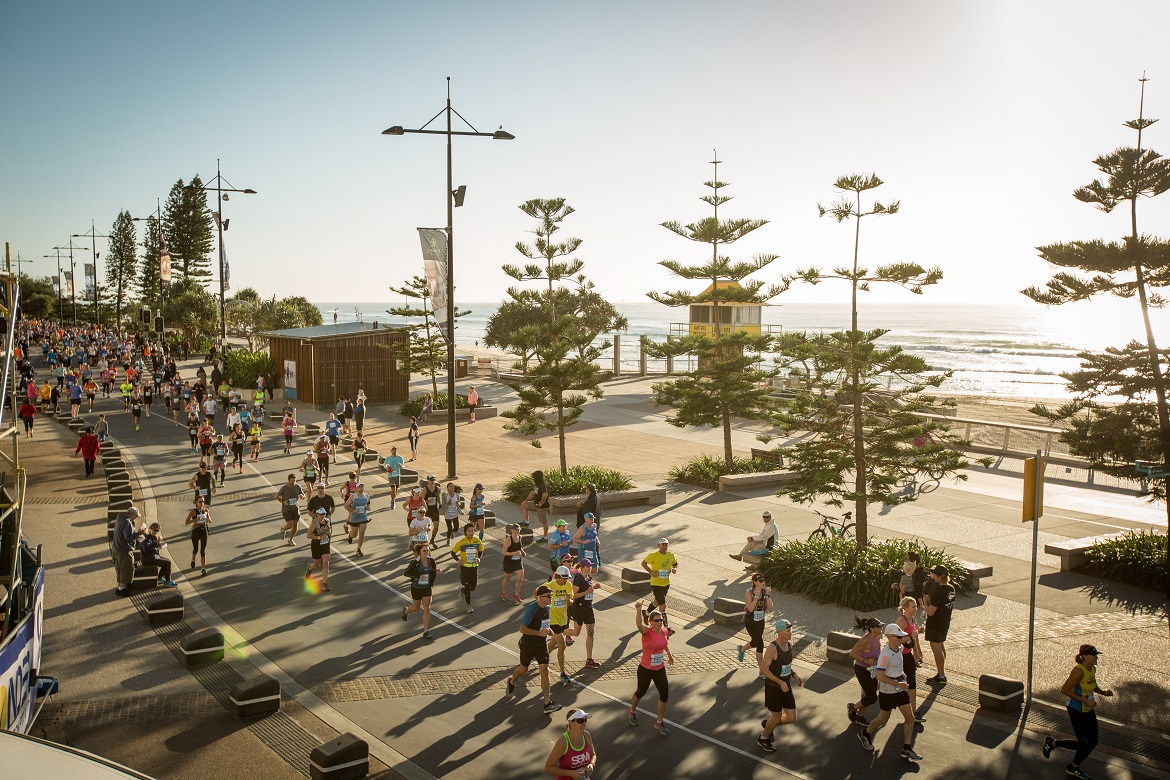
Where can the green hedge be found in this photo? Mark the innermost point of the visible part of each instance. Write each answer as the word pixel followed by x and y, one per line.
pixel 569 484
pixel 413 406
pixel 832 571
pixel 1136 558
pixel 242 366
pixel 705 470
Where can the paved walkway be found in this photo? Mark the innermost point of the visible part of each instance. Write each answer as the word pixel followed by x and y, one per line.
pixel 348 663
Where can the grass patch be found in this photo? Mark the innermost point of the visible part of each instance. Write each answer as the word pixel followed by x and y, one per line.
pixel 832 571
pixel 569 483
pixel 705 470
pixel 412 407
pixel 1136 558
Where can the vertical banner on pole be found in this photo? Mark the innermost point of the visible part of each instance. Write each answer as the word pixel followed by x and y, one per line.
pixel 90 281
pixel 164 263
pixel 1033 509
pixel 1033 503
pixel 68 286
pixel 434 249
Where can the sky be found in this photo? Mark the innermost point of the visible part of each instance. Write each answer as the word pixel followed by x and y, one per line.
pixel 981 117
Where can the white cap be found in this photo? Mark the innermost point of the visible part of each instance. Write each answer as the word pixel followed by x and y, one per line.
pixel 563 571
pixel 577 715
pixel 892 629
pixel 664 540
pixel 322 511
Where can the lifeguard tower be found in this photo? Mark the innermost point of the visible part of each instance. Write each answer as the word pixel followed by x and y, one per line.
pixel 733 316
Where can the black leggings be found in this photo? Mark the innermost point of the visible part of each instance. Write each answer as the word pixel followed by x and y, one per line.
pixel 755 631
pixel 869 686
pixel 656 676
pixel 1084 725
pixel 452 525
pixel 237 454
pixel 164 568
pixel 199 542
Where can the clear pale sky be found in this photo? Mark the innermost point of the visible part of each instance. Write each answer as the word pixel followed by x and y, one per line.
pixel 982 117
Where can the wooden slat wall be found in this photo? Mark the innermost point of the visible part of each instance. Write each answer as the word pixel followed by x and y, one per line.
pixel 338 365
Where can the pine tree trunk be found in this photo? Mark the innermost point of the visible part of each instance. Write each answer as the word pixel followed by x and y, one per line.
pixel 861 529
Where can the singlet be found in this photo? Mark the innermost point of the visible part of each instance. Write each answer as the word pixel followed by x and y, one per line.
pixel 309 472
pixel 908 640
pixel 1084 688
pixel 588 546
pixel 512 548
pixel 432 499
pixel 781 665
pixel 874 649
pixel 360 508
pixel 219 450
pixel 203 483
pixel 289 425
pixel 758 614
pixel 574 758
pixel 200 521
pixel 660 566
pixel 477 502
pixel 583 583
pixel 561 596
pixel 324 529
pixel 654 649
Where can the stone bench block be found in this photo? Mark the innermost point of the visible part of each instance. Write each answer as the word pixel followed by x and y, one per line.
pixel 1000 693
pixel 1072 551
pixel 145 578
pixel 729 482
pixel 202 647
pixel 344 758
pixel 977 571
pixel 255 698
pixel 616 498
pixel 838 644
pixel 165 609
pixel 635 580
pixel 728 612
pixel 489 518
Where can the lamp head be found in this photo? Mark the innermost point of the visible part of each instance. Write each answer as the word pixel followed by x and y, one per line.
pixel 459 194
pixel 225 196
pixel 503 135
pixel 396 130
pixel 249 192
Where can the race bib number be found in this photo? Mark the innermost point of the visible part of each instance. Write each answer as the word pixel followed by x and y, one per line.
pixel 201 519
pixel 544 624
pixel 471 553
pixel 515 557
pixel 589 596
pixel 419 537
pixel 664 574
pixel 424 580
pixel 786 670
pixel 656 659
pixel 589 555
pixel 758 616
pixel 559 602
pixel 292 502
pixel 202 491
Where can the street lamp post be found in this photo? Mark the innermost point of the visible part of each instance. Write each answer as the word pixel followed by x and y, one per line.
pixel 161 243
pixel 454 198
pixel 60 289
pixel 93 236
pixel 221 226
pixel 72 275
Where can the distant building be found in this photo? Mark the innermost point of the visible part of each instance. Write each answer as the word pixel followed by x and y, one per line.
pixel 319 364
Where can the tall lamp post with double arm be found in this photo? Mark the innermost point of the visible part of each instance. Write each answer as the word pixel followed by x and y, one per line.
pixel 454 198
pixel 93 236
pixel 72 274
pixel 221 225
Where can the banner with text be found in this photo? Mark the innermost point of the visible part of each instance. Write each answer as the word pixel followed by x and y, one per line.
pixel 90 281
pixel 164 263
pixel 434 248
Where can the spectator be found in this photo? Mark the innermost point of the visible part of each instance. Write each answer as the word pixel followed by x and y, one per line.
pixel 89 447
pixel 940 602
pixel 121 548
pixel 151 546
pixel 758 544
pixel 591 504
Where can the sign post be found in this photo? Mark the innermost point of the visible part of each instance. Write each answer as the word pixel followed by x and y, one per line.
pixel 1033 508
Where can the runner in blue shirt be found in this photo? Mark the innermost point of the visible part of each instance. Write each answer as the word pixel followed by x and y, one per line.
pixel 393 464
pixel 558 544
pixel 333 431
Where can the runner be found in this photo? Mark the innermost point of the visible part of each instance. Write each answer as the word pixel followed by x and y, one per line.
pixel 586 540
pixel 911 650
pixel 333 431
pixel 661 564
pixel 450 504
pixel 320 529
pixel 289 495
pixel 561 587
pixel 135 409
pixel 419 527
pixel 74 398
pixel 892 694
pixel 90 392
pixel 358 505
pixel 359 452
pixel 573 756
pixel 865 655
pixel 309 470
pixel 126 388
pixel 534 632
pixel 254 435
pixel 776 666
pixel 393 465
pixel 655 654
pixel 199 519
pixel 210 407
pixel 203 483
pixel 537 499
pixel 321 449
pixel 422 571
pixel 289 427
pixel 219 452
pixel 582 612
pixel 236 438
pixel 415 503
pixel 412 438
pixel 431 495
pixel 206 437
pixel 940 602
pixel 514 555
pixel 1081 690
pixel 321 500
pixel 475 509
pixel 147 398
pixel 558 544
pixel 468 551
pixel 756 603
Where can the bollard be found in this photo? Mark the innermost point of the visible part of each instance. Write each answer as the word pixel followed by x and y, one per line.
pixel 344 758
pixel 635 580
pixel 145 578
pixel 165 609
pixel 202 647
pixel 1000 693
pixel 256 697
pixel 728 612
pixel 838 644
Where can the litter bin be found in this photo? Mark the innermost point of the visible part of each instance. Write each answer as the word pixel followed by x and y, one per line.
pixel 461 365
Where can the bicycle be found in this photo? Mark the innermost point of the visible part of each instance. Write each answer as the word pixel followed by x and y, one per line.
pixel 834 527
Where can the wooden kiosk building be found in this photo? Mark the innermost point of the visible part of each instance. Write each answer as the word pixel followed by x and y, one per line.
pixel 318 365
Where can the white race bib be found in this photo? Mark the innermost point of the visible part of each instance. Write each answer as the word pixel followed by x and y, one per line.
pixel 424 580
pixel 471 553
pixel 292 502
pixel 544 624
pixel 656 659
pixel 419 537
pixel 202 491
pixel 758 615
pixel 664 574
pixel 515 557
pixel 589 596
pixel 201 519
pixel 559 602
pixel 786 670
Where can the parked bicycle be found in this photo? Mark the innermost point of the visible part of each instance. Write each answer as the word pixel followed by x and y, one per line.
pixel 833 527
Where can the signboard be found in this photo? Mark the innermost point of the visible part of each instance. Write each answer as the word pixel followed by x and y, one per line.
pixel 20 661
pixel 290 379
pixel 434 249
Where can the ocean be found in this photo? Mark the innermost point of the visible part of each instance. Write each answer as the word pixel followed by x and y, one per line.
pixel 1017 350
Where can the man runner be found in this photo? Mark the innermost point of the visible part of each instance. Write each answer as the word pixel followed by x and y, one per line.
pixel 289 495
pixel 468 551
pixel 534 631
pixel 562 593
pixel 776 666
pixel 661 564
pixel 394 464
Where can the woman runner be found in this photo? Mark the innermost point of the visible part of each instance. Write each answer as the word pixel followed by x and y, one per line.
pixel 514 555
pixel 309 471
pixel 289 426
pixel 1081 690
pixel 475 509
pixel 236 439
pixel 422 572
pixel 358 505
pixel 573 757
pixel 865 655
pixel 756 603
pixel 359 452
pixel 412 438
pixel 655 654
pixel 911 649
pixel 199 519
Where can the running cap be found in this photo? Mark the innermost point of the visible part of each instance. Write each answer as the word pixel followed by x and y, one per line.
pixel 478 486
pixel 562 571
pixel 589 516
pixel 430 476
pixel 892 629
pixel 1088 650
pixel 872 622
pixel 941 570
pixel 783 625
pixel 578 715
pixel 322 511
pixel 133 511
pixel 767 514
pixel 416 489
pixel 559 523
pixel 543 590
pixel 320 486
pixel 566 557
pixel 664 540
pixel 584 562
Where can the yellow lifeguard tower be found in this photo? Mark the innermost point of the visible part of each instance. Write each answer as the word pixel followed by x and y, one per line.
pixel 733 316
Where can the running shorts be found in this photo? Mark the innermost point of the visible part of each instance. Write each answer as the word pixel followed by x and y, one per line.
pixel 533 652
pixel 776 700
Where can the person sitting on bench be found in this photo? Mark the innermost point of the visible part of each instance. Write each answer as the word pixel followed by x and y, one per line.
pixel 759 544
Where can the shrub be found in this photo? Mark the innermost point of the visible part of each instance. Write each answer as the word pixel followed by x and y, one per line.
pixel 1135 558
pixel 412 407
pixel 833 571
pixel 705 470
pixel 568 484
pixel 242 366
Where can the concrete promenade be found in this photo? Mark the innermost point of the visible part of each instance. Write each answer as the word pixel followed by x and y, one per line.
pixel 436 709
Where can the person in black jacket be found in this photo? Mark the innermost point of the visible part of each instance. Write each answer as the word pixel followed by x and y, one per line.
pixel 151 547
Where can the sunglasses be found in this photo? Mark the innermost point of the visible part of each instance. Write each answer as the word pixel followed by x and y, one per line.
pixel 582 721
pixel 656 620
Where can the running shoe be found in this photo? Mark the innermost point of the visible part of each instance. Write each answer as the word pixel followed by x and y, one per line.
pixel 324 588
pixel 170 583
pixel 504 597
pixel 910 755
pixel 309 571
pixel 192 563
pixel 936 680
pixel 566 679
pixel 632 717
pixel 542 539
pixel 510 687
pixel 661 728
pixel 291 543
pixel 404 614
pixel 518 600
pixel 1047 746
pixel 1076 772
pixel 569 641
pixel 670 632
pixel 427 635
pixel 469 608
pixel 866 742
pixel 742 651
pixel 735 557
pixel 591 664
pixel 766 744
pixel 919 717
pixel 280 536
pixel 551 706
pixel 203 572
pixel 391 504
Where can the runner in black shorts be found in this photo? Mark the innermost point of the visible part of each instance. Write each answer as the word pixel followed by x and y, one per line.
pixel 778 679
pixel 422 572
pixel 582 611
pixel 534 631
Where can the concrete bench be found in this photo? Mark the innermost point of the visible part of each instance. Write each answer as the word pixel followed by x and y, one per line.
pixel 635 580
pixel 313 430
pixel 977 572
pixel 653 496
pixel 1072 551
pixel 728 612
pixel 729 482
pixel 1000 693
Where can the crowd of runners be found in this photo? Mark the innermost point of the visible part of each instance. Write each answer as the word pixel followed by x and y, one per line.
pixel 221 422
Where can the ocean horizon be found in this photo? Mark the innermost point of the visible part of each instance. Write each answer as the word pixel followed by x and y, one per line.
pixel 1014 350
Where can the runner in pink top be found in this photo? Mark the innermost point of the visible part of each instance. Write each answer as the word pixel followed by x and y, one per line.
pixel 655 655
pixel 573 756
